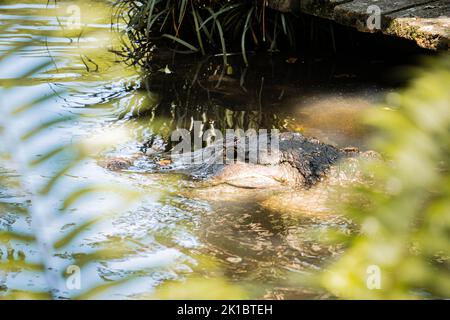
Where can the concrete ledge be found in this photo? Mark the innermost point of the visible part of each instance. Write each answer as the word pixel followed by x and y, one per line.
pixel 425 21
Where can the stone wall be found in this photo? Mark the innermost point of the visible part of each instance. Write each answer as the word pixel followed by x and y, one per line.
pixel 425 21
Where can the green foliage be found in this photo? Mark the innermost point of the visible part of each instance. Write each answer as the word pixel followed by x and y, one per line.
pixel 404 212
pixel 40 194
pixel 200 288
pixel 201 25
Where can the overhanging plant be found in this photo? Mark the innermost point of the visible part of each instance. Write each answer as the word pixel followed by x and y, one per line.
pixel 205 26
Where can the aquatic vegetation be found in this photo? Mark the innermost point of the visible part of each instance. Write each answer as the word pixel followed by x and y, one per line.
pixel 402 250
pixel 205 26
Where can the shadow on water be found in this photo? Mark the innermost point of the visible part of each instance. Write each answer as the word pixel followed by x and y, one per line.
pixel 319 89
pixel 319 97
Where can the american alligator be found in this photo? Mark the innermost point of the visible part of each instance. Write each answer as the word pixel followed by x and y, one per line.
pixel 298 162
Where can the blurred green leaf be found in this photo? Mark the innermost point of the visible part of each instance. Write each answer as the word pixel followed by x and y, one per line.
pixel 403 209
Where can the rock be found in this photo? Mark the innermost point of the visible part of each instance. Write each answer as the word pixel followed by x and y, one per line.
pixel 117 163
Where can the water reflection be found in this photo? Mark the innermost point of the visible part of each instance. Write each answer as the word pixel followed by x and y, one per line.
pixel 273 92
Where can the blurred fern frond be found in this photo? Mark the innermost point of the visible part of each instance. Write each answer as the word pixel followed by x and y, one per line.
pixel 37 201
